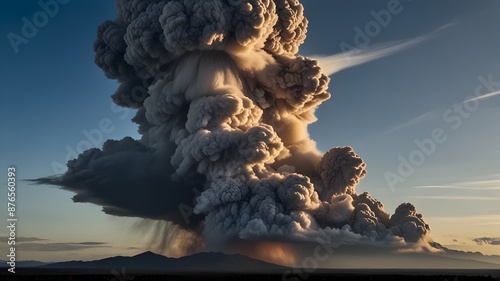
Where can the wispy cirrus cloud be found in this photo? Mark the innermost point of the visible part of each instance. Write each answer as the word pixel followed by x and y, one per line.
pixel 31 243
pixel 487 241
pixel 417 120
pixel 493 184
pixel 476 220
pixel 91 243
pixel 485 96
pixel 56 247
pixel 21 239
pixel 478 198
pixel 455 187
pixel 338 62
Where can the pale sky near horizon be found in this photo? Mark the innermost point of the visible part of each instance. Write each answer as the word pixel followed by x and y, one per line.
pixel 386 109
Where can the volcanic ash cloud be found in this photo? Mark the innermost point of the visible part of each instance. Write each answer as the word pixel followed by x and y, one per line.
pixel 226 112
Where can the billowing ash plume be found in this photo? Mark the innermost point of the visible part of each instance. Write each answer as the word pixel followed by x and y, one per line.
pixel 226 112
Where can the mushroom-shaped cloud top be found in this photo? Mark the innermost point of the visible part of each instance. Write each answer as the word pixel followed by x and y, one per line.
pixel 407 223
pixel 340 169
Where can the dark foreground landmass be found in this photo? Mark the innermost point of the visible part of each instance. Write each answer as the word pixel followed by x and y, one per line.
pixel 399 275
pixel 149 266
pixel 248 277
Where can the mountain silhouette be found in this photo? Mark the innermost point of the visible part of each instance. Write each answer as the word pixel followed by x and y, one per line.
pixel 151 262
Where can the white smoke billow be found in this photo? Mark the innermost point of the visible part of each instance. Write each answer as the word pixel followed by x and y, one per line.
pixel 227 108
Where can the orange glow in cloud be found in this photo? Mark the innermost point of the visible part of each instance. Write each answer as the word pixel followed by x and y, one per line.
pixel 269 251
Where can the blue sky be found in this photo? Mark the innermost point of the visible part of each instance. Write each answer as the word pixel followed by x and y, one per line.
pixel 52 92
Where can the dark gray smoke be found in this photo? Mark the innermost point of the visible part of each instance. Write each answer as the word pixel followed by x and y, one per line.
pixel 226 112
